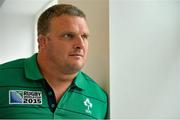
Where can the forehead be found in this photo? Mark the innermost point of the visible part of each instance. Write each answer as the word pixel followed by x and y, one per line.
pixel 67 22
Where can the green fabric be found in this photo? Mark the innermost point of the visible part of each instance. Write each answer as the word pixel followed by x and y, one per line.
pixel 84 99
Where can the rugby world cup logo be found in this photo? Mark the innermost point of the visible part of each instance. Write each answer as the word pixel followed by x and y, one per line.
pixel 25 97
pixel 15 96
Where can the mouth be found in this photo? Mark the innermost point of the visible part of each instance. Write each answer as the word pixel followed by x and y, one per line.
pixel 76 55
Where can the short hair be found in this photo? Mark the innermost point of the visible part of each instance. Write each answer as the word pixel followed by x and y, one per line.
pixel 55 11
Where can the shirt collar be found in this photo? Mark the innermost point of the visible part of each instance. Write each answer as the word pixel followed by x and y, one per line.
pixel 32 71
pixel 80 80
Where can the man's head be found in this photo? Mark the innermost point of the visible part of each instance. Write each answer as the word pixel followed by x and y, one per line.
pixel 62 38
pixel 55 11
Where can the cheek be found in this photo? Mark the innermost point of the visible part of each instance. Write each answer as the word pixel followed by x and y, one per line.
pixel 86 51
pixel 55 49
pixel 86 47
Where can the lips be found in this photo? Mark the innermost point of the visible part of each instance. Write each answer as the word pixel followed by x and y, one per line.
pixel 76 54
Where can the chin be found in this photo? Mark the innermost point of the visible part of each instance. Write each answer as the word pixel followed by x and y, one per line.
pixel 75 67
pixel 78 64
pixel 79 67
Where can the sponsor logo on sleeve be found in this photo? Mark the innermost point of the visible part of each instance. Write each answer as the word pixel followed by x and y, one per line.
pixel 25 97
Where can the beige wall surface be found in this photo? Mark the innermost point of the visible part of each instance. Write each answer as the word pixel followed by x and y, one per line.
pixel 98 59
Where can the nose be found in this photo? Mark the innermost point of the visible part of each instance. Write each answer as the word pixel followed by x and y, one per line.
pixel 79 43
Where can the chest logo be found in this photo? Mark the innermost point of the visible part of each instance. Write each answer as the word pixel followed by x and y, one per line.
pixel 25 97
pixel 89 105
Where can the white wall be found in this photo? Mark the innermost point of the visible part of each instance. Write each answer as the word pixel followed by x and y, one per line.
pixel 16 36
pixel 145 59
pixel 98 57
pixel 17 19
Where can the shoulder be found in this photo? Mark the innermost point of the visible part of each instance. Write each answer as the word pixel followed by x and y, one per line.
pixel 11 72
pixel 15 64
pixel 93 89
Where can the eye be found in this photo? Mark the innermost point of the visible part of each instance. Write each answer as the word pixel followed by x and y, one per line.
pixel 68 36
pixel 85 36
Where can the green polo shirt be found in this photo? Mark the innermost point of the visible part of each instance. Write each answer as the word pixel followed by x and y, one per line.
pixel 24 93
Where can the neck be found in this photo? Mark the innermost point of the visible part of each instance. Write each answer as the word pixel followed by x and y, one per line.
pixel 53 75
pixel 58 80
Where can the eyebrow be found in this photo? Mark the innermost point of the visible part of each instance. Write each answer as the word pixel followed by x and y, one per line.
pixel 68 32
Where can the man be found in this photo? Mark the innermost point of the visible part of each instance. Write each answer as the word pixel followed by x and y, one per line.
pixel 50 85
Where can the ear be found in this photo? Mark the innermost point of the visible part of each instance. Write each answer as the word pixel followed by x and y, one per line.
pixel 42 41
